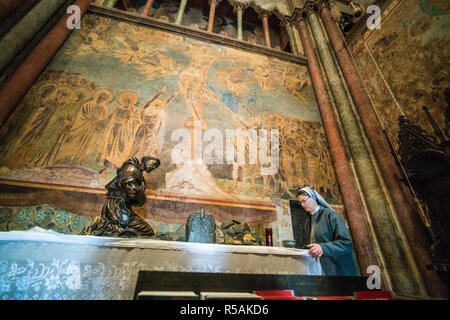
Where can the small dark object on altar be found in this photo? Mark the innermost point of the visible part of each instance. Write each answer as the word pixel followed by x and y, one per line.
pixel 289 243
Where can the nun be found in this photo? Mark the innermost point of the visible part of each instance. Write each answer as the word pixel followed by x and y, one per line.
pixel 330 239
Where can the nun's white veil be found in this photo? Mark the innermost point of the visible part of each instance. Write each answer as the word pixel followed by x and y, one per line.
pixel 316 196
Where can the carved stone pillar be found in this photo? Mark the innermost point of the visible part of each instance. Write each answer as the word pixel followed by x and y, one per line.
pixel 287 24
pixel 212 11
pixel 298 41
pixel 264 16
pixel 147 7
pixel 239 10
pixel 353 206
pixel 181 11
pixel 21 81
pixel 414 230
pixel 396 260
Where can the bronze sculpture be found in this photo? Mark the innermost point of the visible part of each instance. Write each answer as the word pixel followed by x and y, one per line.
pixel 125 190
pixel 201 227
pixel 237 231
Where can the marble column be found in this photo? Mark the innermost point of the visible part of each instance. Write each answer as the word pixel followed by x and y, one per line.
pixel 239 10
pixel 288 26
pixel 181 11
pixel 22 33
pixel 264 16
pixel 212 12
pixel 403 277
pixel 355 213
pixel 147 7
pixel 109 3
pixel 21 81
pixel 415 233
pixel 300 49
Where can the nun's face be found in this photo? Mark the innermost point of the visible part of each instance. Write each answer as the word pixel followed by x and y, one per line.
pixel 308 203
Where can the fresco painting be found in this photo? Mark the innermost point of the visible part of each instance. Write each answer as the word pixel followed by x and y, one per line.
pixel 117 90
pixel 402 63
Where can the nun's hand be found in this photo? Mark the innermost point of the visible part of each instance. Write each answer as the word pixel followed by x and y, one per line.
pixel 315 250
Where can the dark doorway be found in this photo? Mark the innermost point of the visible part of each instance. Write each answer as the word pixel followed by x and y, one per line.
pixel 300 221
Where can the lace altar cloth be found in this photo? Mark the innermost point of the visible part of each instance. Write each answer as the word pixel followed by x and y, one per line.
pixel 44 264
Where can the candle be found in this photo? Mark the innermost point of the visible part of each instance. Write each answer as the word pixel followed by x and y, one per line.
pixel 269 237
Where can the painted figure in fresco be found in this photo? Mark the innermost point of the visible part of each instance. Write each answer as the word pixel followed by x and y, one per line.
pixel 119 135
pixel 330 239
pixel 77 125
pixel 290 165
pixel 45 93
pixel 56 100
pixel 82 133
pixel 295 81
pixel 250 172
pixel 125 190
pixel 301 145
pixel 235 81
pixel 191 176
pixel 294 162
pixel 303 154
pixel 152 127
pixel 51 106
pixel 194 87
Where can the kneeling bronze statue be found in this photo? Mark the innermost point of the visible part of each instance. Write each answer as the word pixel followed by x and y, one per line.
pixel 125 190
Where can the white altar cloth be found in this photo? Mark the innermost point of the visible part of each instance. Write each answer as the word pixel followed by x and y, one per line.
pixel 43 264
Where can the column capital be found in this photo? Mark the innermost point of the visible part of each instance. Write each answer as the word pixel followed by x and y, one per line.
pixel 239 6
pixel 264 14
pixel 296 16
pixel 216 2
pixel 309 7
pixel 286 21
pixel 304 12
pixel 323 4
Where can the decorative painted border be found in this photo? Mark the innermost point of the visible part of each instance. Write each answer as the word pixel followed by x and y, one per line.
pixel 150 195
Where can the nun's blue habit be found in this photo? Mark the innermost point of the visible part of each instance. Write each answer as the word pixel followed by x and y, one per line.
pixel 331 232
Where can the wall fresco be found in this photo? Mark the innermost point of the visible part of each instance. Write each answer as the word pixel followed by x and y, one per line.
pixel 405 63
pixel 117 90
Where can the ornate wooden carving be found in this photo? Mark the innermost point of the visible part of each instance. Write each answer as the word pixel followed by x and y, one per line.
pixel 426 160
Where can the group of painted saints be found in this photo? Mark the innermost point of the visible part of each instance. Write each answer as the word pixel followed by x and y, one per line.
pixel 301 143
pixel 93 126
pixel 86 127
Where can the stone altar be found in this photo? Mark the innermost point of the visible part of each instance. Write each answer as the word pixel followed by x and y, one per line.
pixel 43 264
